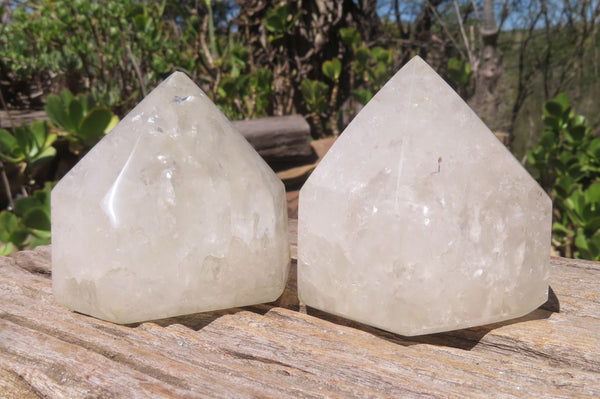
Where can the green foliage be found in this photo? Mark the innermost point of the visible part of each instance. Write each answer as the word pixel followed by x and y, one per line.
pixel 332 69
pixel 363 96
pixel 28 225
pixel 315 95
pixel 253 89
pixel 79 118
pixel 80 121
pixel 350 37
pixel 99 42
pixel 279 21
pixel 31 145
pixel 567 160
pixel 373 68
pixel 459 72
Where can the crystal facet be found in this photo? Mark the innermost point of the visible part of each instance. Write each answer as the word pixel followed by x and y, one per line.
pixel 172 213
pixel 418 220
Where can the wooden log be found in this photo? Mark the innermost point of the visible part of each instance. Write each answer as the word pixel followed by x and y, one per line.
pixel 278 139
pixel 281 350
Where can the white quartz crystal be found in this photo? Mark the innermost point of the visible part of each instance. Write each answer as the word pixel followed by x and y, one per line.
pixel 172 213
pixel 418 220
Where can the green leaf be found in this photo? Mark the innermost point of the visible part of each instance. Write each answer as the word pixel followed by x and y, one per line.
pixel 579 120
pixel 558 227
pixel 575 133
pixel 37 218
pixel 575 205
pixel 140 22
pixel 8 142
pixel 273 38
pixel 314 93
pixel 276 19
pixel 554 123
pixel 594 148
pixel 553 108
pixel 264 79
pixel 7 158
pixel 592 193
pixel 88 101
pixel 66 97
pixel 56 111
pixel 94 124
pixel 459 71
pixel 43 195
pixel 548 139
pixel 75 113
pixel 379 54
pixel 531 158
pixel 8 223
pixel 7 249
pixel 43 157
pixel 25 204
pixel 19 236
pixel 39 134
pixel 363 96
pixel 563 100
pixel 332 69
pixel 114 120
pixel 594 245
pixel 581 241
pixel 350 37
pixel 229 87
pixel 24 138
pixel 592 224
pixel 362 55
pixel 38 239
pixel 564 186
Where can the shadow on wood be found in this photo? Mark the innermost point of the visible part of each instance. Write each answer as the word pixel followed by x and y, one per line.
pixel 270 351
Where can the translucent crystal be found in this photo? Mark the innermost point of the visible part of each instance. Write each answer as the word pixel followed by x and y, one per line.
pixel 418 220
pixel 172 213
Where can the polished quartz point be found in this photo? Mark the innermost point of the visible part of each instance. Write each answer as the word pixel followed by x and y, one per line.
pixel 418 220
pixel 172 213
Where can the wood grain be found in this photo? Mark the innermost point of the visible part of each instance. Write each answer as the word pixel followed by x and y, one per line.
pixel 284 350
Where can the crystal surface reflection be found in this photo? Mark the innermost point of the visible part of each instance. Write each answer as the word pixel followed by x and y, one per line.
pixel 172 213
pixel 418 220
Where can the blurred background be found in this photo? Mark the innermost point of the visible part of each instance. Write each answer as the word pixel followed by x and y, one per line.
pixel 70 69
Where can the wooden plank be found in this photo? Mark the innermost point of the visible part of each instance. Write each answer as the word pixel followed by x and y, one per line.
pixel 20 117
pixel 282 350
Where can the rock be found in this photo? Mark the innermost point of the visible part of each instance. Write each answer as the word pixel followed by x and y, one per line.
pixel 419 220
pixel 172 213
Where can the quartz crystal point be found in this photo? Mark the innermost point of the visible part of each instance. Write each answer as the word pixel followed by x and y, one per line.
pixel 172 213
pixel 418 220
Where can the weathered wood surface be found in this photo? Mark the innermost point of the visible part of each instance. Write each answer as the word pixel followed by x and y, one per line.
pixel 278 139
pixel 21 116
pixel 280 350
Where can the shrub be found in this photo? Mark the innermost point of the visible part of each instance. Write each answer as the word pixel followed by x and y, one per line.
pixel 567 160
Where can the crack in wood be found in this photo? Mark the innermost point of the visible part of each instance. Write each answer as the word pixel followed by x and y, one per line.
pixel 248 356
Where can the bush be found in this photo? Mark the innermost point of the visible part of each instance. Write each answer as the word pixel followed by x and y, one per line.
pixel 567 160
pixel 76 125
